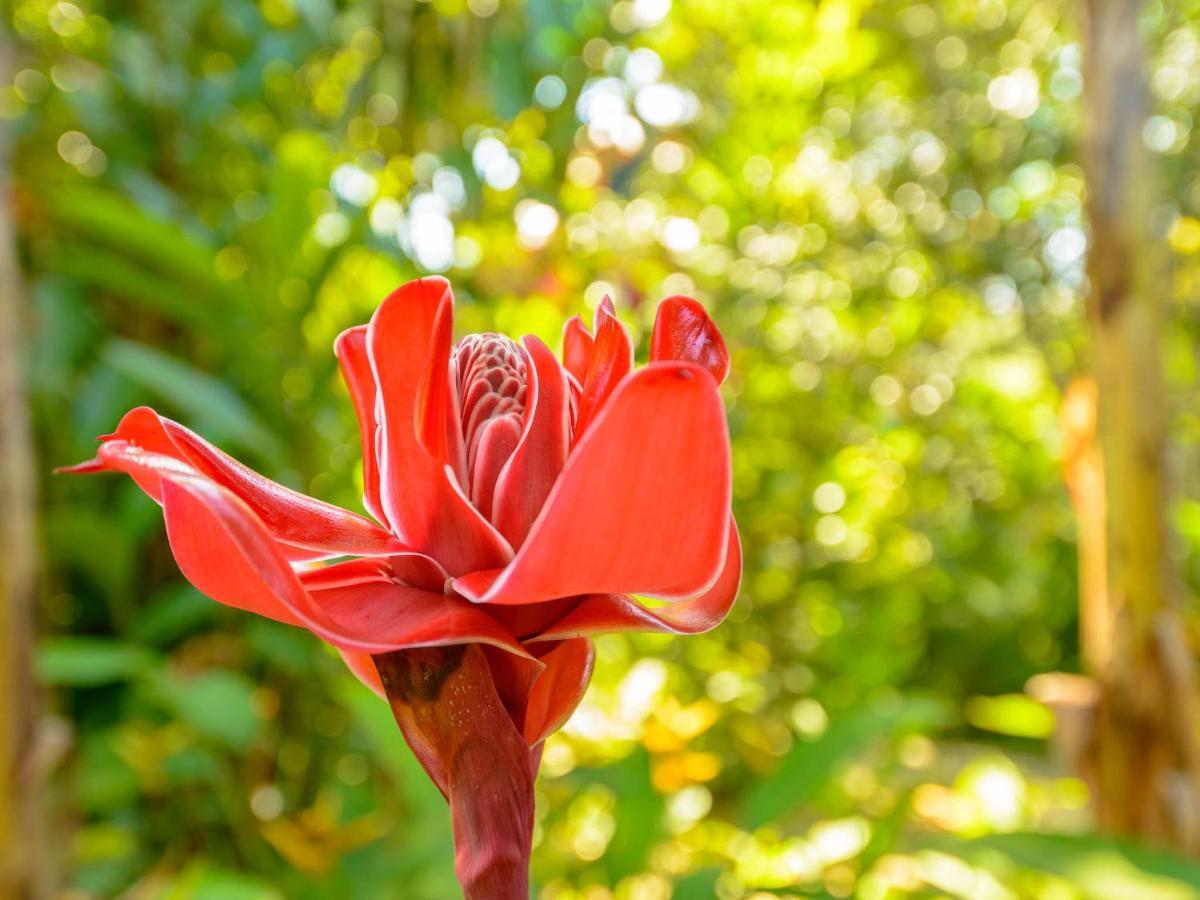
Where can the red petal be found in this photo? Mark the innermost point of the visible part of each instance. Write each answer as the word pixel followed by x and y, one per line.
pixel 399 341
pixel 642 506
pixel 420 571
pixel 538 460
pixel 352 571
pixel 683 331
pixel 610 363
pixel 603 613
pixel 351 350
pixel 226 552
pixel 497 442
pixel 398 616
pixel 531 619
pixel 362 667
pixel 577 348
pixel 447 707
pixel 412 569
pixel 308 528
pixel 438 419
pixel 87 467
pixel 422 499
pixel 513 677
pixel 558 688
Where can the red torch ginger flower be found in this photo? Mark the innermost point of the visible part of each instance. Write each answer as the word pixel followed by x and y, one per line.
pixel 519 503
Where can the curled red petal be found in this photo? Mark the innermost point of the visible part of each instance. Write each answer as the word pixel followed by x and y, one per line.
pixel 396 616
pixel 497 441
pixel 421 494
pixel 446 704
pixel 226 552
pixel 577 348
pixel 535 465
pixel 603 613
pixel 642 505
pixel 412 569
pixel 306 528
pixel 683 331
pixel 87 467
pixel 351 350
pixel 351 571
pixel 399 340
pixel 558 688
pixel 610 363
pixel 438 425
pixel 362 667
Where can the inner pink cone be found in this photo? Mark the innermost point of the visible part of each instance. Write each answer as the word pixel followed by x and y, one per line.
pixel 489 375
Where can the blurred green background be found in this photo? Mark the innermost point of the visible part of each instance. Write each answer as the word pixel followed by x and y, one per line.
pixel 880 203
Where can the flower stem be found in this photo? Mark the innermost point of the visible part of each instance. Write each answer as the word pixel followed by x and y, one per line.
pixel 446 704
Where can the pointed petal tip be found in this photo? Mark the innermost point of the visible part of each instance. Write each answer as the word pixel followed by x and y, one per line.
pixel 474 586
pixel 83 468
pixel 352 335
pixel 429 286
pixel 577 344
pixel 684 331
pixel 610 361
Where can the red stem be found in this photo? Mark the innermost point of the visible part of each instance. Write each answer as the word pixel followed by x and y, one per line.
pixel 446 704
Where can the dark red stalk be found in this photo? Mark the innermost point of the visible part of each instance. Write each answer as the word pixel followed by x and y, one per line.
pixel 445 701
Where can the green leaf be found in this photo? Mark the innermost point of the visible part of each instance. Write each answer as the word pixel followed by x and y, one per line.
pixel 110 219
pixel 1011 714
pixel 87 540
pixel 810 765
pixel 174 613
pixel 1100 868
pixel 217 704
pixel 301 166
pixel 288 649
pixel 427 851
pixel 374 717
pixel 639 815
pixel 203 880
pixel 116 274
pixel 701 885
pixel 220 412
pixel 105 782
pixel 89 661
pixel 193 765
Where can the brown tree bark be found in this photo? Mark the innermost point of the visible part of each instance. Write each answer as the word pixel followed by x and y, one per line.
pixel 1144 757
pixel 20 873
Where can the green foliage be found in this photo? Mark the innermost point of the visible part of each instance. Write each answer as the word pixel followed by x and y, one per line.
pixel 87 662
pixel 810 766
pixel 880 203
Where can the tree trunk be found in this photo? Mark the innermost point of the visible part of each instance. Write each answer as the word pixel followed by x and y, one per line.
pixel 1143 758
pixel 19 871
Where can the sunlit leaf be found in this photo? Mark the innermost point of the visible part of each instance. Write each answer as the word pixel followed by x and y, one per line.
pixel 216 703
pixel 205 399
pixel 90 661
pixel 809 765
pixel 111 219
pixel 1012 714
pixel 1103 869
